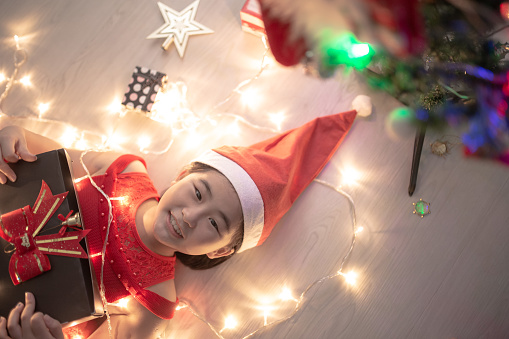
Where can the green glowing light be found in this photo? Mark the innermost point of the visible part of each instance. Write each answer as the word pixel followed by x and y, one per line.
pixel 421 208
pixel 402 114
pixel 359 50
pixel 346 50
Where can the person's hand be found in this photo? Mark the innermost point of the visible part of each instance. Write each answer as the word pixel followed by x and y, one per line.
pixel 23 323
pixel 13 146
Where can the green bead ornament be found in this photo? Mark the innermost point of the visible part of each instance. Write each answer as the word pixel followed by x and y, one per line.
pixel 421 208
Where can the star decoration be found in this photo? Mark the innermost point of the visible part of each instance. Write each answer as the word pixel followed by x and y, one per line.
pixel 178 26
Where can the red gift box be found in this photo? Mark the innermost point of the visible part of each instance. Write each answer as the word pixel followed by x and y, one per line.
pixel 64 286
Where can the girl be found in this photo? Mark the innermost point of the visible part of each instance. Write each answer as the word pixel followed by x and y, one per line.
pixel 226 201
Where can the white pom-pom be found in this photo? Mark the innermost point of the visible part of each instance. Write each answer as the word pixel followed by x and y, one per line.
pixel 362 104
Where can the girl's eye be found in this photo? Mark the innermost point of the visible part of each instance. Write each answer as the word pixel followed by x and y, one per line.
pixel 213 223
pixel 197 193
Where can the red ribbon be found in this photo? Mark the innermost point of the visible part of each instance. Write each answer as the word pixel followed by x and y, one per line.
pixel 20 227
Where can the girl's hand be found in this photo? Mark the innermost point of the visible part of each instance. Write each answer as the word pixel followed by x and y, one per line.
pixel 13 146
pixel 31 326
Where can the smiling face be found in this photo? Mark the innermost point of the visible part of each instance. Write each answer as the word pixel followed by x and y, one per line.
pixel 198 215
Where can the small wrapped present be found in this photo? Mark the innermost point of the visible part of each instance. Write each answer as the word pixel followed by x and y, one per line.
pixel 251 18
pixel 43 249
pixel 142 89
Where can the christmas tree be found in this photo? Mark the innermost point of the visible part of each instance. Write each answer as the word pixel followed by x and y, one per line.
pixel 438 58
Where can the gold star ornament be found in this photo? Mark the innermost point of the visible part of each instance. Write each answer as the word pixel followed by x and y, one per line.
pixel 178 26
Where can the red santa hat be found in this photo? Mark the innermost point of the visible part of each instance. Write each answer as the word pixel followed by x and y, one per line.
pixel 270 175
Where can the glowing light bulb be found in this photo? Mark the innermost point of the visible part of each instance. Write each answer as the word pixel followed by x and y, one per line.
pixel 143 142
pixel 266 312
pixel 229 323
pixel 116 140
pixel 68 137
pixel 115 107
pixel 286 294
pixel 194 139
pixel 277 119
pixel 234 128
pixel 81 144
pixel 350 176
pixel 122 303
pixel 77 336
pixel 43 108
pixel 359 50
pixel 16 40
pixel 250 98
pixel 119 199
pixel 359 229
pixel 2 77
pixel 179 307
pixel 25 81
pixel 350 277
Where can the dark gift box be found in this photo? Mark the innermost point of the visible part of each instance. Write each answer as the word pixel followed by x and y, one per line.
pixel 142 89
pixel 68 291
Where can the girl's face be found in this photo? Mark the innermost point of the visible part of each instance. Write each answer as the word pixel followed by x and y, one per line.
pixel 198 215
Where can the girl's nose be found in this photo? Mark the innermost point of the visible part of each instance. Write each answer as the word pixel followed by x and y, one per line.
pixel 190 217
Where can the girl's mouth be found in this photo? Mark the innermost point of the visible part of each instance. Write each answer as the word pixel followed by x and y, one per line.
pixel 173 225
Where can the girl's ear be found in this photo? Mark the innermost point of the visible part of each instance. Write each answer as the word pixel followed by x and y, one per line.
pixel 222 252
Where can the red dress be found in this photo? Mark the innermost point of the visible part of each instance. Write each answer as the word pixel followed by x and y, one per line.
pixel 129 267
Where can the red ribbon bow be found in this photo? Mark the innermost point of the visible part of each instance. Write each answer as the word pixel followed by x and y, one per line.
pixel 20 227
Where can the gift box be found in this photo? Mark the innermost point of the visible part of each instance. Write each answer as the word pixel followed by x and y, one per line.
pixel 142 89
pixel 68 290
pixel 251 18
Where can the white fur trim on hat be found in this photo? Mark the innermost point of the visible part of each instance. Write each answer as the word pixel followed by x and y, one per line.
pixel 249 195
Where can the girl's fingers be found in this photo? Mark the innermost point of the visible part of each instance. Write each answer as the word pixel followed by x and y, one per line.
pixel 9 152
pixel 38 327
pixel 13 322
pixel 27 313
pixel 3 328
pixel 5 170
pixel 25 154
pixel 54 327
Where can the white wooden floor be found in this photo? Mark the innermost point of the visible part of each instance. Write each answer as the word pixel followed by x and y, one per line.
pixel 443 276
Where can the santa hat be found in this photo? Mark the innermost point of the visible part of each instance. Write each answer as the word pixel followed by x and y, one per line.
pixel 270 175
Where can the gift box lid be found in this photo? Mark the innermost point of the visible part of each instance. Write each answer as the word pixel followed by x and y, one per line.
pixel 67 292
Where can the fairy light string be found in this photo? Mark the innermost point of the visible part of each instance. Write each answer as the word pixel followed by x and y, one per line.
pixel 20 56
pixel 179 126
pixel 286 294
pixel 102 289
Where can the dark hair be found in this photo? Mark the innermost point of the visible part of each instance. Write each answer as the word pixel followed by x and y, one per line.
pixel 203 262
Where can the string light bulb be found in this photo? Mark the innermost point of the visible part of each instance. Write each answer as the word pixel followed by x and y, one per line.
pixel 43 108
pixel 229 323
pixel 2 77
pixel 249 97
pixel 277 119
pixel 25 81
pixel 115 107
pixel 350 277
pixel 68 137
pixel 180 306
pixel 286 294
pixel 350 176
pixel 123 302
pixel 16 41
pixel 143 142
